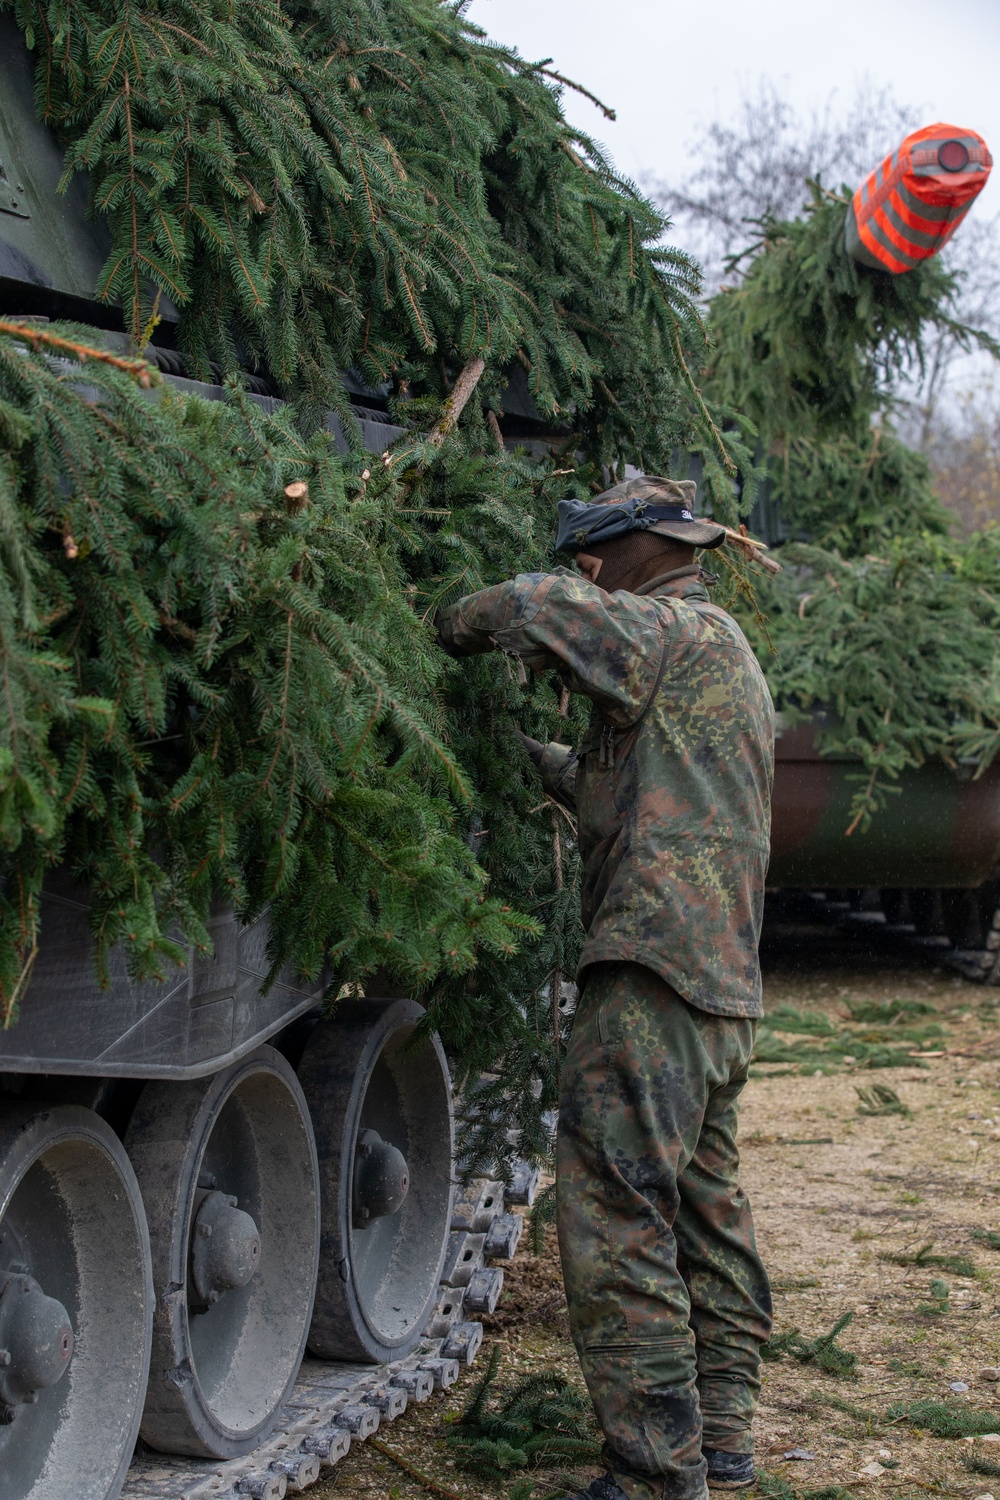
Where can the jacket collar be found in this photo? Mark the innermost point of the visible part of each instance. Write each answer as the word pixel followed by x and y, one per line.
pixel 681 583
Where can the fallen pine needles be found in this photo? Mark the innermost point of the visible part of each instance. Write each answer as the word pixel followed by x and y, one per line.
pixel 823 1350
pixel 944 1419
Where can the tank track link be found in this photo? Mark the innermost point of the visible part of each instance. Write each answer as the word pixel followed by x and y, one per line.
pixel 335 1406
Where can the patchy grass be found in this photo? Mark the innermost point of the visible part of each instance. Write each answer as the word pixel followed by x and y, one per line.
pixel 861 1222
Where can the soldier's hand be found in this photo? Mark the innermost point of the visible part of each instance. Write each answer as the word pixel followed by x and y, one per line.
pixel 445 628
pixel 533 749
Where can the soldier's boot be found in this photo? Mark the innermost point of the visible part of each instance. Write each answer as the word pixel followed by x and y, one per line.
pixel 602 1488
pixel 729 1471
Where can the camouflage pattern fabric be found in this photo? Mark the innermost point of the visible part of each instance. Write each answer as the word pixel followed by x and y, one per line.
pixel 672 783
pixel 668 1299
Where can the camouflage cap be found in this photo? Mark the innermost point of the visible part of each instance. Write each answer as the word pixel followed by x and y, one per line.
pixel 654 489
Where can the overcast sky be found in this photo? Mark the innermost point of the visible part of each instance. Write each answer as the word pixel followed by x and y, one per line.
pixel 666 66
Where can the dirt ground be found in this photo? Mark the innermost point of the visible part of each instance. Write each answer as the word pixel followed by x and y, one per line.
pixel 883 1216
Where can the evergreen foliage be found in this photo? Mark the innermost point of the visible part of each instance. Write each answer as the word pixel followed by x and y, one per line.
pixel 213 690
pixel 539 1420
pixel 348 184
pixel 209 689
pixel 880 613
pixel 944 1419
pixel 823 1350
pixel 977 1465
pixel 217 693
pixel 880 1099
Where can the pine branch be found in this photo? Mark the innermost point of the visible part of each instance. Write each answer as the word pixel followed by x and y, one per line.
pixel 457 400
pixel 146 374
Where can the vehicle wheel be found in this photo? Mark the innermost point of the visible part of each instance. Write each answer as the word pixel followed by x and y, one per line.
pixel 227 1168
pixel 76 1305
pixel 382 1111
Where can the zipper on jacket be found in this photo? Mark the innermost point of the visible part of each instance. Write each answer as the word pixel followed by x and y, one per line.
pixel 606 759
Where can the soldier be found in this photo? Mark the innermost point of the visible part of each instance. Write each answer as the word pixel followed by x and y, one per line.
pixel 668 1300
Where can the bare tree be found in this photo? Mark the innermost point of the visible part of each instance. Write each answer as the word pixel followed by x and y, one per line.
pixel 974 255
pixel 757 164
pixel 964 453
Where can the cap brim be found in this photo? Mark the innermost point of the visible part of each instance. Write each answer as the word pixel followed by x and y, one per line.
pixel 695 533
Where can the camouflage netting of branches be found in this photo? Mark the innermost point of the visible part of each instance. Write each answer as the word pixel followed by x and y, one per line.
pixel 881 613
pixel 214 687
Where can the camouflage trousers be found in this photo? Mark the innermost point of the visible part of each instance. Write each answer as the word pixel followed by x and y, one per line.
pixel 668 1299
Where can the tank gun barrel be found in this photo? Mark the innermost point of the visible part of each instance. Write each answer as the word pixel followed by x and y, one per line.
pixel 909 206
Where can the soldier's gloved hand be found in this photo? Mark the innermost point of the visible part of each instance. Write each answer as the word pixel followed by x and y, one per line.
pixel 445 627
pixel 533 749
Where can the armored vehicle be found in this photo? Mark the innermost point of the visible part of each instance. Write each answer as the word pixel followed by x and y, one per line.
pixel 928 866
pixel 201 1177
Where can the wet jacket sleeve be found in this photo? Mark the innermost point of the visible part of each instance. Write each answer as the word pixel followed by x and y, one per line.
pixel 557 769
pixel 606 646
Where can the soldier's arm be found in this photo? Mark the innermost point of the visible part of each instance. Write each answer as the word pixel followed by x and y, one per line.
pixel 556 765
pixel 607 646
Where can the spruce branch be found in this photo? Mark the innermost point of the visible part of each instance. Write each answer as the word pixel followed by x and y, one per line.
pixel 143 372
pixel 433 1486
pixel 457 401
pixel 543 67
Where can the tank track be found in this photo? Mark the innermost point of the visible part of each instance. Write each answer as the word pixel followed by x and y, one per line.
pixel 979 963
pixel 335 1406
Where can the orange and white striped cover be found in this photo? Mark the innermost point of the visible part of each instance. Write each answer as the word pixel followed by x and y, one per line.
pixel 911 205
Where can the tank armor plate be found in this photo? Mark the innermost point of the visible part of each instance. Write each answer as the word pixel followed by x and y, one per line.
pixel 202 1017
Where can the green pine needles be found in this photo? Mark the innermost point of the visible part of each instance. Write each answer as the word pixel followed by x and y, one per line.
pixel 881 614
pixel 215 689
pixel 540 1420
pixel 210 688
pixel 347 184
pixel 823 1351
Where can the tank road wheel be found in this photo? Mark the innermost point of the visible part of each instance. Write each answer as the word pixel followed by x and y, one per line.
pixel 76 1306
pixel 381 1107
pixel 227 1167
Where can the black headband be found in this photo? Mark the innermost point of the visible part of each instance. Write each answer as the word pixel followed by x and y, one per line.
pixel 580 523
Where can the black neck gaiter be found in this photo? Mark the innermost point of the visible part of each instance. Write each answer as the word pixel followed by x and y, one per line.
pixel 627 562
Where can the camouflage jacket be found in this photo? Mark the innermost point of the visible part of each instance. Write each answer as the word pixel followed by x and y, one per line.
pixel 672 783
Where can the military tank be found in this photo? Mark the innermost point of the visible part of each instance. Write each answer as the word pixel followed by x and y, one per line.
pixel 928 866
pixel 202 1178
pixel 228 1226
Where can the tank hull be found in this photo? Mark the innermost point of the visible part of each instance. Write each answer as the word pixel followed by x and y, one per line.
pixel 941 828
pixel 204 1016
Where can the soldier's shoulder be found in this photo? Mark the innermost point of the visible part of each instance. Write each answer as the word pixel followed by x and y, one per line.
pixel 720 623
